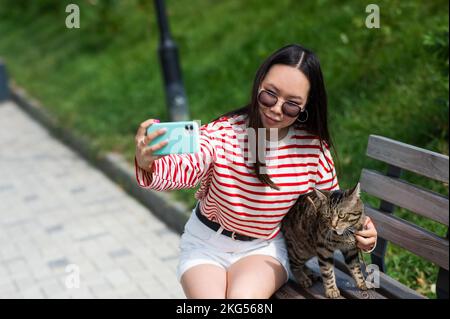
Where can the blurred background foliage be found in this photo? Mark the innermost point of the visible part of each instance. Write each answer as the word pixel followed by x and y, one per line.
pixel 103 79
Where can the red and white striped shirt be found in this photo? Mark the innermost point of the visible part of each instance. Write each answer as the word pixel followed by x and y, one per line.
pixel 229 193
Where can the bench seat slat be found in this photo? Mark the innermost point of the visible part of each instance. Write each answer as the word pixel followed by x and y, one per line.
pixel 314 292
pixel 289 291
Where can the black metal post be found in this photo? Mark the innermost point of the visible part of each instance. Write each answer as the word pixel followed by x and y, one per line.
pixel 4 88
pixel 168 54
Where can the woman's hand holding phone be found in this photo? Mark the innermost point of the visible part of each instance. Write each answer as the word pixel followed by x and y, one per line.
pixel 144 153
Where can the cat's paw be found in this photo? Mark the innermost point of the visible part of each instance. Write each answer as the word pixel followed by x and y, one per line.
pixel 362 285
pixel 332 293
pixel 305 282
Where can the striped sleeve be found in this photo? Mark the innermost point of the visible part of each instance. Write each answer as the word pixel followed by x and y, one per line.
pixel 326 177
pixel 179 171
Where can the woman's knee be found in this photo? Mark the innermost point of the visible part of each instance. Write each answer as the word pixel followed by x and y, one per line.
pixel 255 277
pixel 204 282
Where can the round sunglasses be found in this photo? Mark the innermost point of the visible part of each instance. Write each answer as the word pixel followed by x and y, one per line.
pixel 269 99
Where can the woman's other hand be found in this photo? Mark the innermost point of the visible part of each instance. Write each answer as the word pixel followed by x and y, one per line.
pixel 144 153
pixel 367 238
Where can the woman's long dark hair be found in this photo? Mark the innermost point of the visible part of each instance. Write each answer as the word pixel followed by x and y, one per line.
pixel 317 122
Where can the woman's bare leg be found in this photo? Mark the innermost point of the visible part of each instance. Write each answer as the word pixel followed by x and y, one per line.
pixel 255 276
pixel 204 281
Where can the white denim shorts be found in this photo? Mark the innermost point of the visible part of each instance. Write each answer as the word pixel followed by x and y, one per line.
pixel 200 244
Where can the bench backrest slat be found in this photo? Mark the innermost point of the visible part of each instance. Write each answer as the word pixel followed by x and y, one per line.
pixel 411 158
pixel 411 237
pixel 403 194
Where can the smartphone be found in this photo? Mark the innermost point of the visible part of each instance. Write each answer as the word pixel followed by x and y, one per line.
pixel 183 137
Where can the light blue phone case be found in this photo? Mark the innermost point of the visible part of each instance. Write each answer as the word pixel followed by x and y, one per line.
pixel 183 137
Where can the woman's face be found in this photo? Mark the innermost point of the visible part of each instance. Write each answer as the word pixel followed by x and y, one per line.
pixel 288 84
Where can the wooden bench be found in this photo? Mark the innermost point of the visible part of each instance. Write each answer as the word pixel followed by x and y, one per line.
pixel 393 191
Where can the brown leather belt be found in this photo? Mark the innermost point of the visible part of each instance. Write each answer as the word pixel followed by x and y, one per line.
pixel 215 226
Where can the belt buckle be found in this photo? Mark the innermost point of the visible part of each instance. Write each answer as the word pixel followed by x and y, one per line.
pixel 233 235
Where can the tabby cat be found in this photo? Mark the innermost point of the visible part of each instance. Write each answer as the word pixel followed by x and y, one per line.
pixel 319 223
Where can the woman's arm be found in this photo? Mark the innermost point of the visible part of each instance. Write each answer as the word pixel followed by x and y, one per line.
pixel 178 171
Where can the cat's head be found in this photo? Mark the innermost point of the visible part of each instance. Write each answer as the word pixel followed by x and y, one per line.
pixel 342 210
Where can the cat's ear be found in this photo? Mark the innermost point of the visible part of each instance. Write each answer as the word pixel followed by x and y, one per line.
pixel 312 203
pixel 320 195
pixel 356 191
pixel 354 194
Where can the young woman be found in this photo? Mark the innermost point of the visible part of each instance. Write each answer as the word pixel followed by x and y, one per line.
pixel 232 246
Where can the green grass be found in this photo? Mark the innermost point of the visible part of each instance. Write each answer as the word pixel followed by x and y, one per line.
pixel 103 79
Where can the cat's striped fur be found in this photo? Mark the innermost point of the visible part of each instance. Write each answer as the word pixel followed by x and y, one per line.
pixel 318 224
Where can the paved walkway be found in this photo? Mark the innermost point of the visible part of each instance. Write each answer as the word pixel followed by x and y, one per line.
pixel 62 220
